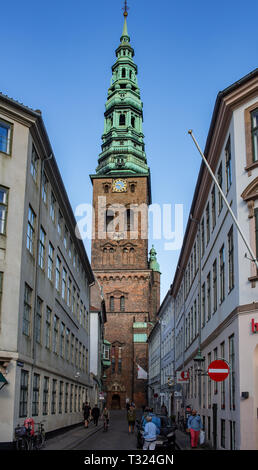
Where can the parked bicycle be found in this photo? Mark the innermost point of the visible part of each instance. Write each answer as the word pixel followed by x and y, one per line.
pixel 28 439
pixel 22 438
pixel 39 437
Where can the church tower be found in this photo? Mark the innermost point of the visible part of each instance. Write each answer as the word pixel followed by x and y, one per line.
pixel 119 257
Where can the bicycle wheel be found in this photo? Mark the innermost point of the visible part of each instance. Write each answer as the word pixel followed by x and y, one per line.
pixel 39 442
pixel 22 444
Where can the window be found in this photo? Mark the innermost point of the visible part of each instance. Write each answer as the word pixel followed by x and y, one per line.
pixel 230 260
pixel 52 210
pixel 61 388
pixel 48 328
pixel 58 268
pixel 110 220
pixel 222 433
pixel 35 395
pixel 24 394
pixel 59 223
pixel 67 344
pixel 31 230
pixel 5 137
pixel 222 384
pixel 55 336
pixel 222 274
pixel 209 296
pixel 122 304
pixel 65 237
pixel 64 282
pixel 219 177
pixel 213 207
pixel 71 398
pixel 66 397
pixel 203 304
pixel 228 164
pixel 256 230
pixel 207 224
pixel 42 241
pixel 38 320
pixel 111 303
pixel 27 310
pixel 232 435
pixel 254 130
pixel 45 395
pixel 53 400
pixel 202 237
pixel 34 164
pixel 69 288
pixel 62 340
pixel 3 209
pixel 215 294
pixel 1 290
pixel 123 73
pixel 44 188
pixel 232 373
pixel 119 361
pixel 122 120
pixel 133 121
pixel 50 261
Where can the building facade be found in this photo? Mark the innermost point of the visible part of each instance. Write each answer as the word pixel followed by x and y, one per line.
pixel 44 277
pixel 215 286
pixel 121 196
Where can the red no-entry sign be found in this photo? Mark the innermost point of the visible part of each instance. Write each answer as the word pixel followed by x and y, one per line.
pixel 218 370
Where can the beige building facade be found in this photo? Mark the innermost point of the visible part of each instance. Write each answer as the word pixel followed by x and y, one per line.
pixel 45 279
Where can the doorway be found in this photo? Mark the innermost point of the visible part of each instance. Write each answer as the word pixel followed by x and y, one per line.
pixel 115 403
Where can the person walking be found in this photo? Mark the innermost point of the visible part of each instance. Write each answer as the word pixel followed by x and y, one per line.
pixel 194 424
pixel 164 410
pixel 149 434
pixel 105 416
pixel 86 414
pixel 131 417
pixel 95 412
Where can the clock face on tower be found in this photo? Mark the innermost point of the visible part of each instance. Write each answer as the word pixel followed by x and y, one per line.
pixel 119 186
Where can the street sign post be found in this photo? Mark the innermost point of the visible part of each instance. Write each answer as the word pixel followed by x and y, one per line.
pixel 218 370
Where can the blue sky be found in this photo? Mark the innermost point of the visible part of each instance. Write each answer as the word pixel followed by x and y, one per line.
pixel 58 57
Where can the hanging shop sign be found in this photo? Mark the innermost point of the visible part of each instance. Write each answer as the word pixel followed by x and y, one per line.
pixel 182 377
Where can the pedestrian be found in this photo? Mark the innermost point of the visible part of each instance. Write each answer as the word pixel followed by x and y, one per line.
pixel 164 410
pixel 127 406
pixel 86 414
pixel 105 416
pixel 95 412
pixel 131 417
pixel 155 419
pixel 194 425
pixel 150 434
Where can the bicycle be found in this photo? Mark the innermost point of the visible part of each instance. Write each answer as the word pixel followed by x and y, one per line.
pixel 39 437
pixel 23 437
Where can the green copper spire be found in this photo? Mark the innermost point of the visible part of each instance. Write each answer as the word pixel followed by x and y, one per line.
pixel 154 265
pixel 123 150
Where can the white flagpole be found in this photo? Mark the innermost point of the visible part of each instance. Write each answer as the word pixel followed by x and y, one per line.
pixel 226 202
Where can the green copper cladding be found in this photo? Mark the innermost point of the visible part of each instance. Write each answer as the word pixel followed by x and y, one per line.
pixel 154 265
pixel 123 151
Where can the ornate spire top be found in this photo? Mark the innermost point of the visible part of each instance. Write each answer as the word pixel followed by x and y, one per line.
pixel 125 37
pixel 126 8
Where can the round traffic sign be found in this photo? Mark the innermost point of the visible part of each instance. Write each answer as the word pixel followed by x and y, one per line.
pixel 218 370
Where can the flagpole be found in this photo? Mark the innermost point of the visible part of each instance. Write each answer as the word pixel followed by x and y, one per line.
pixel 226 201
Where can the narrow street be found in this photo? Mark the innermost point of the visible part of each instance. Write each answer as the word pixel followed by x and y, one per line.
pixel 116 438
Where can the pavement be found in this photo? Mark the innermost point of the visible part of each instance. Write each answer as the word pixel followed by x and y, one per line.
pixel 72 438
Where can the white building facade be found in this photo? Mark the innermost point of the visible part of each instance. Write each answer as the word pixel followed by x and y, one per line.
pixel 44 282
pixel 215 288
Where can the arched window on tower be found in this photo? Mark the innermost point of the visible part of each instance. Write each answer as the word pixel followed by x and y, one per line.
pixel 123 73
pixel 111 303
pixel 129 219
pixel 122 304
pixel 110 220
pixel 133 121
pixel 122 120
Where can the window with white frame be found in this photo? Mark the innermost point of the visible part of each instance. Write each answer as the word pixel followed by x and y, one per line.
pixel 34 164
pixel 3 209
pixel 254 130
pixel 42 242
pixel 31 230
pixel 5 137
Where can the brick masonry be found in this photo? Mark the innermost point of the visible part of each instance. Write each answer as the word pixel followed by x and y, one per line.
pixel 121 266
